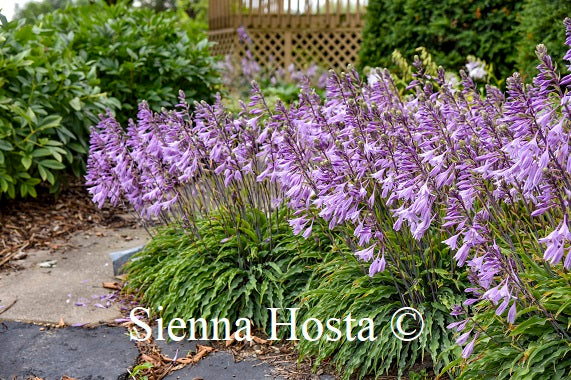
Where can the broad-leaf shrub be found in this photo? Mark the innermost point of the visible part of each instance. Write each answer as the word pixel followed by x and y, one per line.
pixel 49 96
pixel 63 70
pixel 139 54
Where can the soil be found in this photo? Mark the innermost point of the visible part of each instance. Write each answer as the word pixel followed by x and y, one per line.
pixel 47 222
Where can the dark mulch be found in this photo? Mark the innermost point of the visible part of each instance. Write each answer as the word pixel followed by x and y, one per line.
pixel 48 221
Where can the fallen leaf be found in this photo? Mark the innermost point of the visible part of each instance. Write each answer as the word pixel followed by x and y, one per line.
pixel 154 361
pixel 231 340
pixel 111 285
pixel 68 378
pixel 259 340
pixel 202 352
pixel 185 360
pixel 61 323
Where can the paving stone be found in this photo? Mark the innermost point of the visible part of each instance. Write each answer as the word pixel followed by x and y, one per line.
pixel 170 347
pixel 101 353
pixel 221 366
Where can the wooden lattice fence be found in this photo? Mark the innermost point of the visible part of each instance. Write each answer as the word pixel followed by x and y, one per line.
pixel 283 32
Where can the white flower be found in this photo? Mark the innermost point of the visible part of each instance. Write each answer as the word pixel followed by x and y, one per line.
pixel 476 68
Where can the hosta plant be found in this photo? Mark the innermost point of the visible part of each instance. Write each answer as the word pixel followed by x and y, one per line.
pixel 399 175
pixel 230 271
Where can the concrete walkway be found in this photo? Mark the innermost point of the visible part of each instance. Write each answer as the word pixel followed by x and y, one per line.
pixel 52 285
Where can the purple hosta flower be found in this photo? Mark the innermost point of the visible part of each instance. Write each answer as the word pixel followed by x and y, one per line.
pixel 498 293
pixel 457 310
pixel 566 80
pixel 378 265
pixel 307 231
pixel 462 254
pixel 364 233
pixel 419 213
pixel 107 148
pixel 487 267
pixel 243 35
pixel 512 313
pixel 459 325
pixel 250 67
pixel 462 339
pixel 366 254
pixel 452 241
pixel 298 224
pixel 467 351
pixel 556 244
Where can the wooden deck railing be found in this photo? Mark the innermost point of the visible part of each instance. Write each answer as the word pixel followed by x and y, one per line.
pixel 290 31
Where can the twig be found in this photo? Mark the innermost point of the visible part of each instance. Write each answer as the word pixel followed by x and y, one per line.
pixel 8 307
pixel 7 258
pixel 11 254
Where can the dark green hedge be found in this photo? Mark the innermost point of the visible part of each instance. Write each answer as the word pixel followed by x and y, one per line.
pixel 450 30
pixel 541 21
pixel 503 33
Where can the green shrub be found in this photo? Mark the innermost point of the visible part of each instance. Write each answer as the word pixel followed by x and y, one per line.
pixel 229 272
pixel 450 30
pixel 139 54
pixel 540 22
pixel 60 72
pixel 32 10
pixel 49 96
